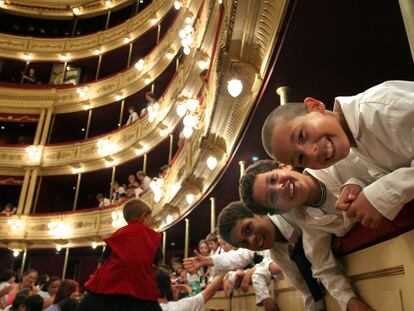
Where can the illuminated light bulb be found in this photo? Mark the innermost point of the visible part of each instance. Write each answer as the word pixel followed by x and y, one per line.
pixel 192 104
pixel 163 132
pixel 127 39
pixel 170 55
pixel 2 3
pixel 190 121
pixel 169 219
pixel 87 107
pixel 98 51
pixel 211 162
pixel 76 11
pixel 139 64
pixel 181 110
pixel 27 56
pixel 187 41
pixel 108 3
pixel 188 29
pixel 118 97
pixel 157 198
pixel 114 215
pixel 64 57
pixel 76 170
pixel 147 79
pixel 203 64
pixel 187 132
pixel 186 50
pixel 220 1
pixel 16 253
pixel 189 198
pixel 182 34
pixel 94 245
pixel 177 5
pixel 188 20
pixel 58 247
pixel 234 87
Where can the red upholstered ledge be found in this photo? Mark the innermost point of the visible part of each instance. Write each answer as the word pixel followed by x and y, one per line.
pixel 361 237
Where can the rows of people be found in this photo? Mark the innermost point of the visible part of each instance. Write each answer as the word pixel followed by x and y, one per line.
pixel 34 293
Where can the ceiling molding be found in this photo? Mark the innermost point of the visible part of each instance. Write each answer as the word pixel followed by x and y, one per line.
pixel 51 49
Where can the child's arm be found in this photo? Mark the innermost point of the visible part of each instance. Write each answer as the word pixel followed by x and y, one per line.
pixel 348 194
pixel 212 288
pixel 234 259
pixel 317 247
pixel 364 211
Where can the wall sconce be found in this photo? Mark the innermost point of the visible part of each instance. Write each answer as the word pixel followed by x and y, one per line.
pixel 189 198
pixel 76 169
pixel 15 224
pixel 118 220
pixel 59 229
pixel 34 153
pixel 212 162
pixel 139 65
pixel 234 87
pixel 177 5
pixel 26 56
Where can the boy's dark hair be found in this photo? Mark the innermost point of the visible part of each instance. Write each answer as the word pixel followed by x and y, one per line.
pixel 67 288
pixel 247 181
pixel 141 173
pixel 99 196
pixel 134 209
pixel 286 112
pixel 131 108
pixel 212 237
pixel 18 301
pixel 228 218
pixel 123 195
pixel 177 260
pixel 7 274
pixel 34 303
pixel 164 284
pixel 201 242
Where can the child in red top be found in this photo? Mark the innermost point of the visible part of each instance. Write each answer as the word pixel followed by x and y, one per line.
pixel 125 280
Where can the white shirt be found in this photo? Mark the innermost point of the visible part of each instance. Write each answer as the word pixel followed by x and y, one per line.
pixel 381 120
pixel 145 183
pixel 105 202
pixel 194 303
pixel 261 278
pixel 132 118
pixel 235 259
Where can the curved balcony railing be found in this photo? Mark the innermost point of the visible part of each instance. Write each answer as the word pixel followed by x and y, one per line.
pixel 64 99
pixel 61 49
pixel 222 119
pixel 61 9
pixel 125 143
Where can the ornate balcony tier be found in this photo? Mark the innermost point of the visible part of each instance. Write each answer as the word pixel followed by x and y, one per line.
pixel 50 49
pixel 247 35
pixel 58 9
pixel 64 99
pixel 57 159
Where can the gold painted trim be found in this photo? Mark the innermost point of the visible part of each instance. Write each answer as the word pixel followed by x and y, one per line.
pixel 56 9
pixel 52 49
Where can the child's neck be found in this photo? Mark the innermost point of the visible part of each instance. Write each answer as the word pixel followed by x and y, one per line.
pixel 315 190
pixel 339 115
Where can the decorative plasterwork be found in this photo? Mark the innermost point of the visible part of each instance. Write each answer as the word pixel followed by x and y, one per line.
pixel 105 91
pixel 58 159
pixel 223 119
pixel 52 49
pixel 57 9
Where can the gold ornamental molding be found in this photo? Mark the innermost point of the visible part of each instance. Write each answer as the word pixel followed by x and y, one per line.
pixel 221 120
pixel 126 143
pixel 104 91
pixel 61 49
pixel 57 9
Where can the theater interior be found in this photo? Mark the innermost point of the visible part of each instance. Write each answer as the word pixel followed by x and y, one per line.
pixel 70 71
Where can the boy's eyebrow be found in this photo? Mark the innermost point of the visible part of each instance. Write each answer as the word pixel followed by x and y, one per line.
pixel 292 141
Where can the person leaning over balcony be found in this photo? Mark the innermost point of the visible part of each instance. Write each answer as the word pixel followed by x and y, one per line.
pixel 133 115
pixel 117 190
pixel 144 180
pixel 7 281
pixel 102 200
pixel 8 210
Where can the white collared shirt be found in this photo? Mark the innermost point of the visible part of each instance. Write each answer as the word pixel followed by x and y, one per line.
pixel 280 253
pixel 132 118
pixel 381 120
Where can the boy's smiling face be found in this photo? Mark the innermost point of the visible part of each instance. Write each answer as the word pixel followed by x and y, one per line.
pixel 314 140
pixel 255 233
pixel 282 189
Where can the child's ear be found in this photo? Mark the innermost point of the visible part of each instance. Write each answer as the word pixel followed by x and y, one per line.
pixel 313 104
pixel 285 166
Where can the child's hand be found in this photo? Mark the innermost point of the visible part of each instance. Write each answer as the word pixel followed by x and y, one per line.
pixel 355 304
pixel 363 210
pixel 269 304
pixel 348 194
pixel 238 278
pixel 192 264
pixel 247 279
